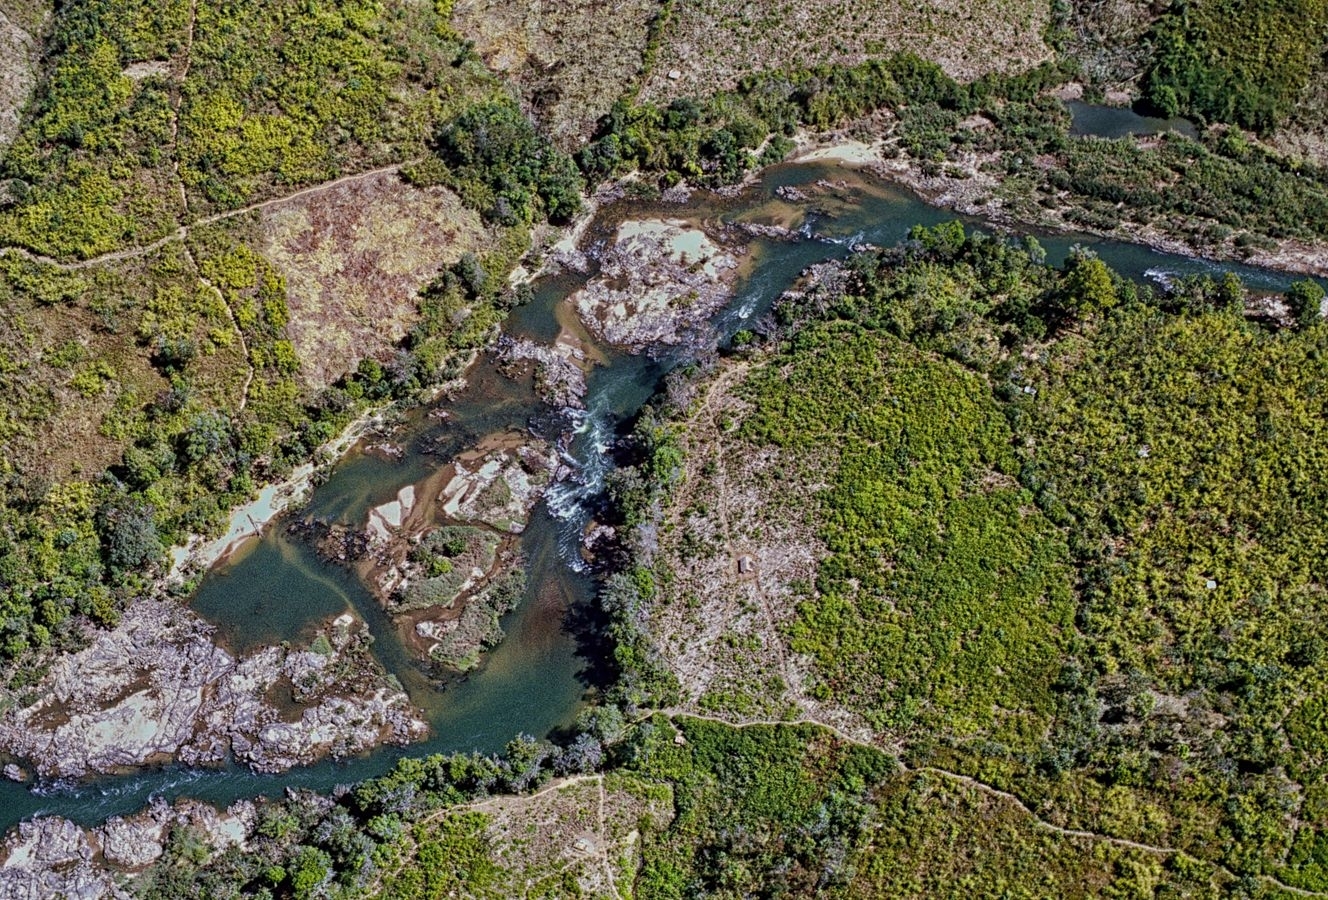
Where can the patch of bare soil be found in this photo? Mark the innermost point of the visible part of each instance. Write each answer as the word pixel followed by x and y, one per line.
pixel 737 538
pixel 584 829
pixel 710 44
pixel 20 54
pixel 1306 135
pixel 355 257
pixel 570 59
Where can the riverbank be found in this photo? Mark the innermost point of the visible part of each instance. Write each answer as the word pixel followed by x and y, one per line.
pixel 967 186
pixel 249 520
pixel 531 682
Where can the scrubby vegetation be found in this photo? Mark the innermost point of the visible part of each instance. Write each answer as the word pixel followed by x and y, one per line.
pixel 716 140
pixel 689 808
pixel 148 106
pixel 1071 529
pixel 1246 62
pixel 167 368
pixel 496 160
pixel 1214 192
pixel 217 411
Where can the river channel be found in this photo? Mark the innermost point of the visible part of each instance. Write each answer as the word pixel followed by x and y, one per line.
pixel 536 680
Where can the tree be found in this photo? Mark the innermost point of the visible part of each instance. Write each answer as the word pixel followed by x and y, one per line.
pixel 128 535
pixel 1087 286
pixel 1304 301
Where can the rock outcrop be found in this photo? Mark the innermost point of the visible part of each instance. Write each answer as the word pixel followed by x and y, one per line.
pixel 157 688
pixel 657 281
pixel 52 857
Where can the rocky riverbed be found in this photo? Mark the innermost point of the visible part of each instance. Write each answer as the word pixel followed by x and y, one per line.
pixel 657 281
pixel 157 688
pixel 443 557
pixel 53 857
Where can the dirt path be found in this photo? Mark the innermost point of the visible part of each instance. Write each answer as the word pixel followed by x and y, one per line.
pixel 182 232
pixel 1006 796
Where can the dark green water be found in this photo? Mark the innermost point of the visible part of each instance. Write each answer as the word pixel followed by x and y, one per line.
pixel 1118 122
pixel 535 681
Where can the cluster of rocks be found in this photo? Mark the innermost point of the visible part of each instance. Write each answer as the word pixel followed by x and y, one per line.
pixel 657 281
pixel 818 287
pixel 560 370
pixel 498 485
pixel 53 857
pixel 448 601
pixel 157 688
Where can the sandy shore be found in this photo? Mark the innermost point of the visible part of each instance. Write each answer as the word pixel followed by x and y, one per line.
pixel 248 520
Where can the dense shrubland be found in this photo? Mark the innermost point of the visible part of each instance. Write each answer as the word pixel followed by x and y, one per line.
pixel 245 101
pixel 715 141
pixel 1245 62
pixel 1073 527
pixel 492 155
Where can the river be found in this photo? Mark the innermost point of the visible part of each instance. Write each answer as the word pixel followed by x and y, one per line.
pixel 536 680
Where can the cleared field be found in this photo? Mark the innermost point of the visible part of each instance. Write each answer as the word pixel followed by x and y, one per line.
pixel 354 258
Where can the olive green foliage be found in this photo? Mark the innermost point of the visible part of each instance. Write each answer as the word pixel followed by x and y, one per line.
pixel 395 837
pixel 1181 452
pixel 944 607
pixel 1238 187
pixel 502 166
pixel 90 167
pixel 1219 189
pixel 762 811
pixel 1073 527
pixel 193 447
pixel 223 103
pixel 1207 192
pixel 478 627
pixel 792 812
pixel 1240 61
pixel 932 837
pixel 1305 303
pixel 449 858
pixel 286 93
pixel 446 557
pixel 1210 191
pixel 716 141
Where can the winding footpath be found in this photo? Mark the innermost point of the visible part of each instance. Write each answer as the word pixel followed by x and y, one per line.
pixel 992 791
pixel 181 232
